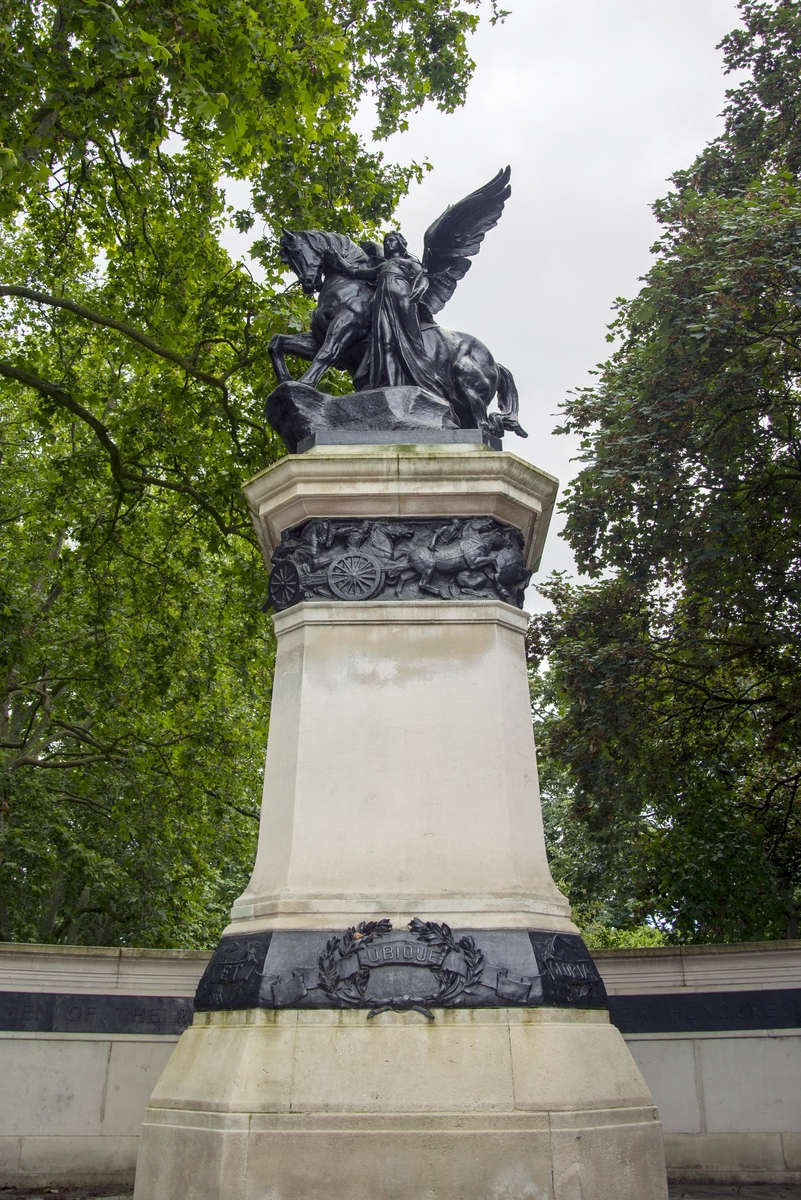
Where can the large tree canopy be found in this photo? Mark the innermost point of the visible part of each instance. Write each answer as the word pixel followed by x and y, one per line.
pixel 671 709
pixel 132 370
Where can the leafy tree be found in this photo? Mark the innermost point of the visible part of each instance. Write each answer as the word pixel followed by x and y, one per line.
pixel 133 359
pixel 671 704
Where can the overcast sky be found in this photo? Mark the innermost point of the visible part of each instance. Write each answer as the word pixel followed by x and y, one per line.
pixel 594 103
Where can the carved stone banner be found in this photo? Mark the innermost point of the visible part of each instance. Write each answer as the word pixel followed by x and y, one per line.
pixel 412 559
pixel 423 967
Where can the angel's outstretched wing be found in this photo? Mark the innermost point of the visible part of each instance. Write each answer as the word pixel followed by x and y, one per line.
pixel 457 235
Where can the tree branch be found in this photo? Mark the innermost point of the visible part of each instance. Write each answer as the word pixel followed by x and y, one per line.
pixel 243 812
pixel 60 764
pixel 66 401
pixel 121 473
pixel 128 331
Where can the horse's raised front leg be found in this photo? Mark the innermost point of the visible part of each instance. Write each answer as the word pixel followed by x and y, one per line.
pixel 303 345
pixel 488 563
pixel 343 332
pixel 477 556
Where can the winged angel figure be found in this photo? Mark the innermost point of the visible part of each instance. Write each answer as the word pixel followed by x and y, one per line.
pixel 375 312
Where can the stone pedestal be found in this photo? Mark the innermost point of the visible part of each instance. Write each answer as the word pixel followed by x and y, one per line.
pixel 401 776
pixel 401 1006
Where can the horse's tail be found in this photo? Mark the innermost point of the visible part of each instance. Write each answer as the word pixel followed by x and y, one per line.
pixel 509 401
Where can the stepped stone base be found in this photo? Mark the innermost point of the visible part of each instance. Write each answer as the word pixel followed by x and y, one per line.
pixel 503 1104
pixel 401 793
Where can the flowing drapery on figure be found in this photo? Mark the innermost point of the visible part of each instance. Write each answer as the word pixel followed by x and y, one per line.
pixel 396 354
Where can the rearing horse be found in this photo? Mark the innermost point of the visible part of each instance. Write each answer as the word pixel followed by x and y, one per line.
pixel 340 329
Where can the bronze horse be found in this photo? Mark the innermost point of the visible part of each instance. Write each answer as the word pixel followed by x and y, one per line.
pixel 340 328
pixel 469 559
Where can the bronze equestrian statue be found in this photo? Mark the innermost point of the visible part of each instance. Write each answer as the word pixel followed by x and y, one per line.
pixel 375 314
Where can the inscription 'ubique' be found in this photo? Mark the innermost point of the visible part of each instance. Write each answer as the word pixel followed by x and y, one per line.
pixel 402 952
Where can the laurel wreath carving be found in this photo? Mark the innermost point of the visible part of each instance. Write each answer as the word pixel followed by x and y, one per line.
pixel 351 991
pixel 452 984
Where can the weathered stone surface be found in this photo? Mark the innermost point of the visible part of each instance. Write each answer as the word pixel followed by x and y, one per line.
pixel 297 411
pixel 510 1103
pixel 401 774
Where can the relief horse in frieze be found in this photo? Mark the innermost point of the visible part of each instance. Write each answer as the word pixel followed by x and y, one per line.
pixel 469 559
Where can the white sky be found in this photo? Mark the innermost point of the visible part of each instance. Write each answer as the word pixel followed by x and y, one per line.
pixel 594 103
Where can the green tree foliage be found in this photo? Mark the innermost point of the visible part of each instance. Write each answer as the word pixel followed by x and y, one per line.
pixel 671 707
pixel 133 365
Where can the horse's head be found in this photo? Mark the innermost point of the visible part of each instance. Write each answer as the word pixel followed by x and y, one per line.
pixel 300 252
pixel 306 252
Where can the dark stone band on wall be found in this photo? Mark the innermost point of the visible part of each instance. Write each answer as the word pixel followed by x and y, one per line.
pixel 689 1013
pixel 415 558
pixel 423 967
pixel 707 1012
pixel 83 1013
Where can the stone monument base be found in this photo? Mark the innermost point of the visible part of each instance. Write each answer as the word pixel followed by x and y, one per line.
pixel 401 1007
pixel 298 412
pixel 482 1104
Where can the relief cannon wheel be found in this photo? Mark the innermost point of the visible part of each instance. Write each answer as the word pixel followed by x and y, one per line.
pixel 355 575
pixel 283 589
